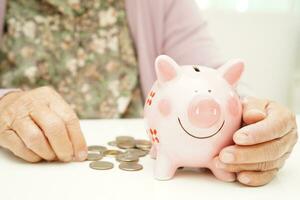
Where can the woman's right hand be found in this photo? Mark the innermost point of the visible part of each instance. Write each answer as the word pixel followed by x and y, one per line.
pixel 39 125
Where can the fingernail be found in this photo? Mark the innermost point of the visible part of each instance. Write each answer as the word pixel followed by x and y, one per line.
pixel 82 155
pixel 227 157
pixel 241 138
pixel 244 179
pixel 67 158
pixel 231 178
pixel 220 165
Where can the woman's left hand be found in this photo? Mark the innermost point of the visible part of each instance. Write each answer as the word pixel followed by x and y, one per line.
pixel 262 145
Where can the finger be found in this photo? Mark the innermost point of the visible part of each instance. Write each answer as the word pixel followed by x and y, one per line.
pixel 263 152
pixel 33 138
pixel 65 112
pixel 11 141
pixel 262 166
pixel 256 178
pixel 254 110
pixel 278 123
pixel 55 130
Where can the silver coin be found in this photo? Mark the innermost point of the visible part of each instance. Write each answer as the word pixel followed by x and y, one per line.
pixel 124 138
pixel 143 144
pixel 126 144
pixel 94 156
pixel 112 153
pixel 130 166
pixel 101 165
pixel 127 157
pixel 96 148
pixel 138 152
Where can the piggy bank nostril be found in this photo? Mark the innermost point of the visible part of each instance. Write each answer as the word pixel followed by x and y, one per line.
pixel 204 113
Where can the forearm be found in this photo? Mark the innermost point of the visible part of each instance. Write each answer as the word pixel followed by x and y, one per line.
pixel 187 38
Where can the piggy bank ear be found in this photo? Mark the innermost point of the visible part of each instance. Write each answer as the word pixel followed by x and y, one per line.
pixel 166 68
pixel 232 71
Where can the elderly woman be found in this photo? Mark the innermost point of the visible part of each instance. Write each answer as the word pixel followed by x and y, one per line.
pixel 98 57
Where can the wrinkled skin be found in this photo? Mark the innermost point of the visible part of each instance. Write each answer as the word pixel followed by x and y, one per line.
pixel 39 125
pixel 262 145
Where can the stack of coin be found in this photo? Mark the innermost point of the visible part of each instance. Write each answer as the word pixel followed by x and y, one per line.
pixel 125 142
pixel 96 152
pixel 128 154
pixel 144 145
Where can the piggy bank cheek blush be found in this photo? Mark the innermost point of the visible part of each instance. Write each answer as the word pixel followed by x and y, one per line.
pixel 164 107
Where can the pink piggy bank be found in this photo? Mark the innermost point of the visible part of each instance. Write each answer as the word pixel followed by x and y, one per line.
pixel 191 113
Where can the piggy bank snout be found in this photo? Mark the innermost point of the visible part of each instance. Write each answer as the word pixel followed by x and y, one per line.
pixel 203 113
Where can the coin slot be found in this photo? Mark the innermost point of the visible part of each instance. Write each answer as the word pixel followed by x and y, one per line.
pixel 196 69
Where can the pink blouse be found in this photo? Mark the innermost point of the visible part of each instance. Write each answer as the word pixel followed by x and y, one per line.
pixel 172 27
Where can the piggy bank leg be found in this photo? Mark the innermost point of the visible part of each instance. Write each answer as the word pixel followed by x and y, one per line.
pixel 153 152
pixel 164 168
pixel 221 174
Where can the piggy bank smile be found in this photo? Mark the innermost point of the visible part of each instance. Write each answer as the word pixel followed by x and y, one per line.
pixel 200 137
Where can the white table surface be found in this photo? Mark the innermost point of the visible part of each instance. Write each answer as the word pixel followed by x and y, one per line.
pixel 76 181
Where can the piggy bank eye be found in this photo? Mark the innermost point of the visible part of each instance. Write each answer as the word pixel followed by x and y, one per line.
pixel 209 91
pixel 196 69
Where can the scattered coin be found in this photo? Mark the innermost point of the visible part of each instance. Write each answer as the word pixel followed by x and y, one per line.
pixel 123 138
pixel 97 148
pixel 127 157
pixel 94 156
pixel 133 150
pixel 143 144
pixel 101 165
pixel 130 166
pixel 112 153
pixel 138 152
pixel 126 144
